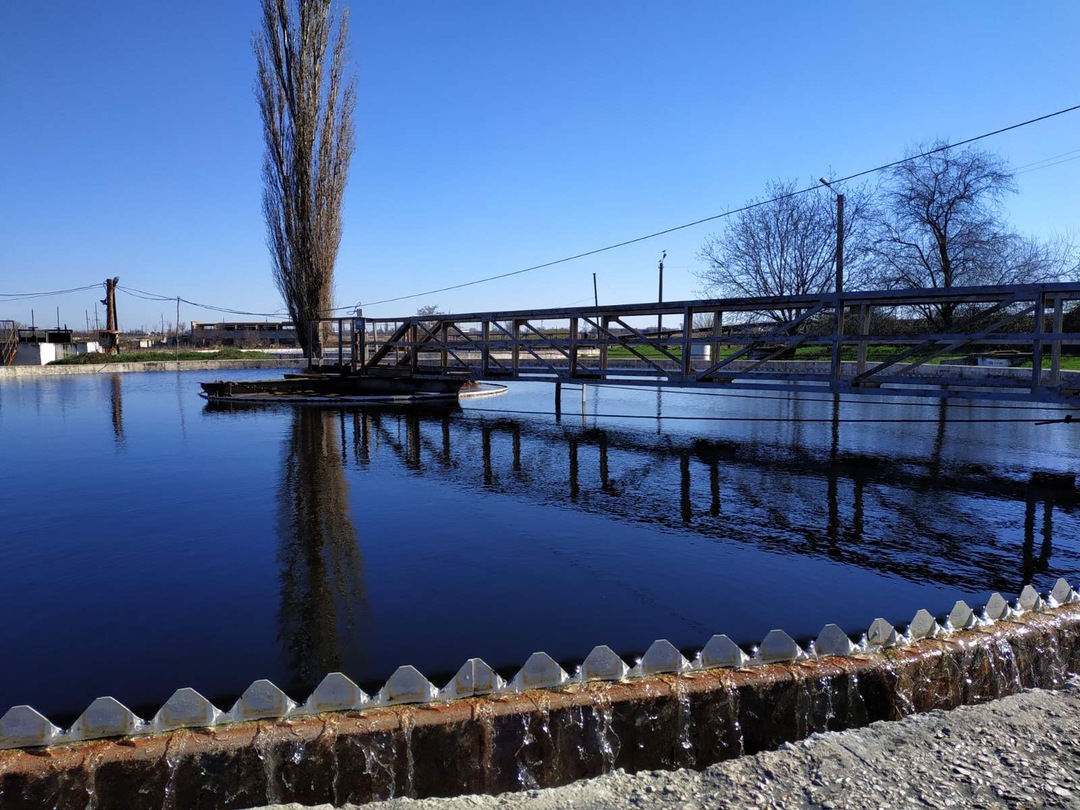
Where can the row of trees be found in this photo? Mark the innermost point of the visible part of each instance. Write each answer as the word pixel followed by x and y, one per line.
pixel 935 221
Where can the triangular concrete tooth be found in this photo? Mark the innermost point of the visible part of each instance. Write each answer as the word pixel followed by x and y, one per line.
pixel 832 640
pixel 407 685
pixel 881 634
pixel 106 717
pixel 26 727
pixel 997 608
pixel 186 709
pixel 261 701
pixel 777 647
pixel 1029 599
pixel 335 693
pixel 1063 594
pixel 961 617
pixel 662 656
pixel 924 625
pixel 721 651
pixel 603 664
pixel 474 678
pixel 541 671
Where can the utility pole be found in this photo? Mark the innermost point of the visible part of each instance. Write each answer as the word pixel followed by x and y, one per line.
pixel 595 297
pixel 177 353
pixel 838 322
pixel 839 237
pixel 111 332
pixel 660 295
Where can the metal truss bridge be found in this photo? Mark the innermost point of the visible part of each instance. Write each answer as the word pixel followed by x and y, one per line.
pixel 993 342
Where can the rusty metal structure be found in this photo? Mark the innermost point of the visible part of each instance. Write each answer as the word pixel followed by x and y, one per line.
pixel 9 342
pixel 1003 343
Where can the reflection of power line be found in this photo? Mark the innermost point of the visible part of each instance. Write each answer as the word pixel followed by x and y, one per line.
pixel 764 397
pixel 960 420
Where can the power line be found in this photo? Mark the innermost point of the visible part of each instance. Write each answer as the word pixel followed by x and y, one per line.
pixel 25 296
pixel 150 296
pixel 1019 169
pixel 732 212
pixel 1049 165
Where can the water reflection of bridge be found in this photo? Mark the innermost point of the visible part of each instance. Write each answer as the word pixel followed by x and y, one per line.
pixel 961 524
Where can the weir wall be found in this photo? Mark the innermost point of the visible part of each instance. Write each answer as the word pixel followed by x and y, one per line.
pixel 530 738
pixel 23 372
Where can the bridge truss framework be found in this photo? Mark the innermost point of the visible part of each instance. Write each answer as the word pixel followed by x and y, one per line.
pixel 992 342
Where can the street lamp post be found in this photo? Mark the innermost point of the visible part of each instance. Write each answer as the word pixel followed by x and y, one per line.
pixel 839 312
pixel 660 297
pixel 839 236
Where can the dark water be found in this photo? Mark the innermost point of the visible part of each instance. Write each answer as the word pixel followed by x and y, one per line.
pixel 149 541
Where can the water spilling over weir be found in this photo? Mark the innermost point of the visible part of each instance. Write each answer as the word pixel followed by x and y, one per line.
pixel 235 544
pixel 544 728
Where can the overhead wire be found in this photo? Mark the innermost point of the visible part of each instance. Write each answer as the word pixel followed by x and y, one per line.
pixel 1036 163
pixel 1049 165
pixel 25 296
pixel 732 212
pixel 149 296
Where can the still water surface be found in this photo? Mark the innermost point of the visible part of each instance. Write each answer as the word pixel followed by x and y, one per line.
pixel 150 541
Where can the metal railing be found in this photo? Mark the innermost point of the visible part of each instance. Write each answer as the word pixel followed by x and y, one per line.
pixel 996 342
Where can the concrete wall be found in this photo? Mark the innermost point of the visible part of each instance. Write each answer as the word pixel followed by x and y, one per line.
pixel 524 737
pixel 16 372
pixel 35 354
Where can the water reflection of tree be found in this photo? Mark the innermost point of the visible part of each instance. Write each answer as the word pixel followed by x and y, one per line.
pixel 323 600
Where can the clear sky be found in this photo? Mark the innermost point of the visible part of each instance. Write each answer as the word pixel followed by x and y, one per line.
pixel 493 135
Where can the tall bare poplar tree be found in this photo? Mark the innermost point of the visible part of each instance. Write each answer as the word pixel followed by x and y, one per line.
pixel 307 102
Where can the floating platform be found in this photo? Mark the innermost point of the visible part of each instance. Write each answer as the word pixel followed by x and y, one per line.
pixel 324 389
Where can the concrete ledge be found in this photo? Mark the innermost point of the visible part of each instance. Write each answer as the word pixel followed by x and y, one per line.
pixel 543 738
pixel 19 372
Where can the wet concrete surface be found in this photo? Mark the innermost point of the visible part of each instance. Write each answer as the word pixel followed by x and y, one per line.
pixel 1021 751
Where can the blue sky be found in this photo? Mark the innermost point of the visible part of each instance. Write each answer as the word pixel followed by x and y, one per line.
pixel 493 135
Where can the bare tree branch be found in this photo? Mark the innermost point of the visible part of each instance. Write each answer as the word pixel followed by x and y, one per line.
pixel 941 226
pixel 785 247
pixel 306 102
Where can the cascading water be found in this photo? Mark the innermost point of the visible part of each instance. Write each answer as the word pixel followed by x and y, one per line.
pixel 267 755
pixel 407 725
pixel 685 725
pixel 607 741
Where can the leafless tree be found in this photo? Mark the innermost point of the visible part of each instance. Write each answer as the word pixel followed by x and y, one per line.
pixel 941 225
pixel 784 245
pixel 307 102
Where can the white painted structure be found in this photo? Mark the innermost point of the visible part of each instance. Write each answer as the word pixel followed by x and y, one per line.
pixel 41 354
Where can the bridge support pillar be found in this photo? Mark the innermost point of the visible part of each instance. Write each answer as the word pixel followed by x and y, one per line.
pixel 558 398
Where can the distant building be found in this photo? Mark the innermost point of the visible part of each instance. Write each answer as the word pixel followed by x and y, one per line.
pixel 39 347
pixel 244 335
